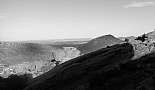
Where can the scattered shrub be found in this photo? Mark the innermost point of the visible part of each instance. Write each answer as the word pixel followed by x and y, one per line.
pixel 126 40
pixel 142 38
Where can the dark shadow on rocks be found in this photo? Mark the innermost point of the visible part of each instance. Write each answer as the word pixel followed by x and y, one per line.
pixel 14 82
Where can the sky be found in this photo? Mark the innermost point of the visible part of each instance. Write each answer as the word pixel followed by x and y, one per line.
pixel 64 19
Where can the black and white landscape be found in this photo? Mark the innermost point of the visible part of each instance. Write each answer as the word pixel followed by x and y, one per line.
pixel 105 62
pixel 77 45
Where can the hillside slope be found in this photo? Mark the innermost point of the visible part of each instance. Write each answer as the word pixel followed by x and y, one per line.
pixel 106 69
pixel 81 73
pixel 98 43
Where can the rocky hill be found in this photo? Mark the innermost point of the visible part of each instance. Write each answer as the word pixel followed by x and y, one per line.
pixel 98 43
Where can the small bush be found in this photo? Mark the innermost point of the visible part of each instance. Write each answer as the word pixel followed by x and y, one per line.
pixel 126 40
pixel 142 38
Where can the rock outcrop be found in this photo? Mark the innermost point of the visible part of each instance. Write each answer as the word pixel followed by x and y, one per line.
pixel 143 44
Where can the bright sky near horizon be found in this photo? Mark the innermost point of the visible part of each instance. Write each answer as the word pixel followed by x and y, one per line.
pixel 59 19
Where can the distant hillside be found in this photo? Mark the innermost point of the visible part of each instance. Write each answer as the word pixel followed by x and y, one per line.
pixel 32 58
pixel 60 41
pixel 98 43
pixel 15 53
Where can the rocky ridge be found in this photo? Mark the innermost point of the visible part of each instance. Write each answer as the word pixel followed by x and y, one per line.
pixel 141 47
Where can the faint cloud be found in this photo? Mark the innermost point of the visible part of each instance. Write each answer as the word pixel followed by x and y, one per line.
pixel 139 4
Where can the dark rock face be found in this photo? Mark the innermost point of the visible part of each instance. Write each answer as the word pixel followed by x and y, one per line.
pixel 98 43
pixel 87 72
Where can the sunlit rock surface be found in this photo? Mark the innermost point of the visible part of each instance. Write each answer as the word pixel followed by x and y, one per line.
pixel 143 48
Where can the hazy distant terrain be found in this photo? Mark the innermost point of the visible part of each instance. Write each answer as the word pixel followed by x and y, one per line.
pixel 40 56
pixel 77 63
pixel 14 53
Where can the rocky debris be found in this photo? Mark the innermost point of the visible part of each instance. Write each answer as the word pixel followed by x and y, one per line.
pixel 98 43
pixel 86 72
